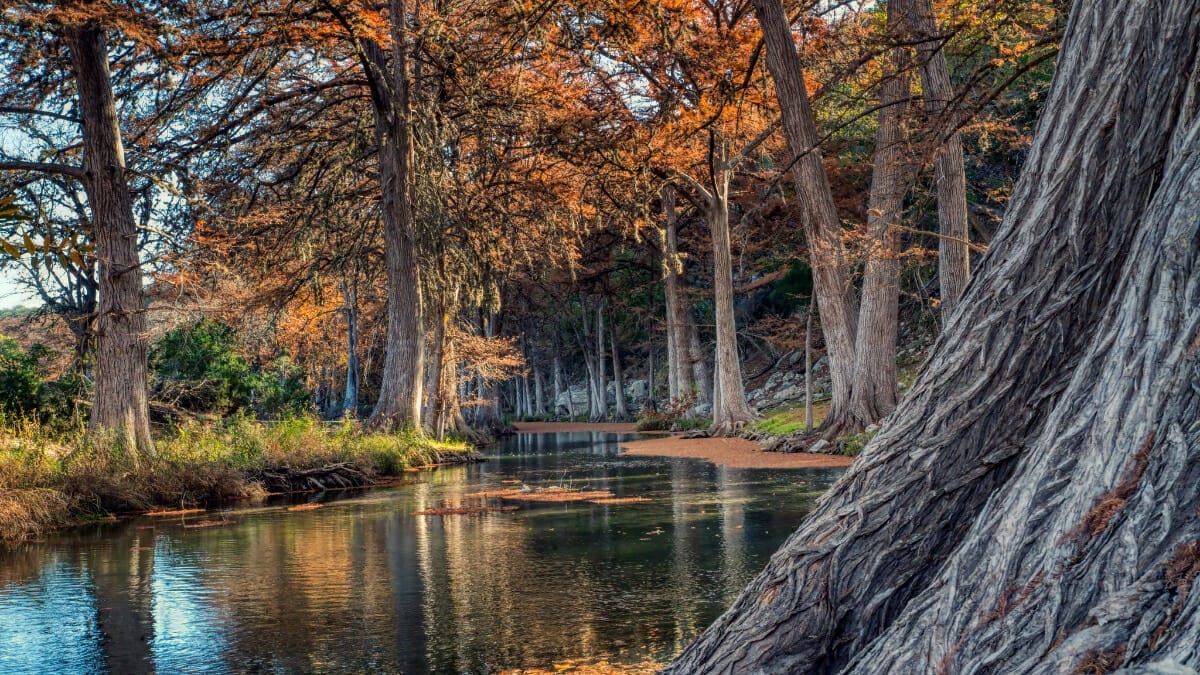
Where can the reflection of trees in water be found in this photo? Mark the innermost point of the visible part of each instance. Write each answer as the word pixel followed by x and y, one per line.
pixel 365 585
pixel 121 577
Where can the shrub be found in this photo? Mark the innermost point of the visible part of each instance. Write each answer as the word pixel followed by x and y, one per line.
pixel 21 386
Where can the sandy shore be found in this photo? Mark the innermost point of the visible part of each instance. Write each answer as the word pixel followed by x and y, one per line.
pixel 566 427
pixel 737 453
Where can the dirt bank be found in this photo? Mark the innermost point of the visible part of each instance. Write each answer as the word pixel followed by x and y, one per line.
pixel 737 453
pixel 564 427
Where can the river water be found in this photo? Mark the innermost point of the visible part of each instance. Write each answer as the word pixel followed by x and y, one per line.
pixel 363 584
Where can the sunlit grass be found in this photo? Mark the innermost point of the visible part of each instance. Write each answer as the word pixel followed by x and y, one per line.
pixel 49 479
pixel 790 420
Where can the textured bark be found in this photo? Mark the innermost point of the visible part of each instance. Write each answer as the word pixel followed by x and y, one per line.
pixel 835 293
pixel 954 260
pixel 874 390
pixel 1039 480
pixel 399 403
pixel 119 402
pixel 730 408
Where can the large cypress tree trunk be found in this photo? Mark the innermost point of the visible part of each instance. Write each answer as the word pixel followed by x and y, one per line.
pixel 730 409
pixel 954 260
pixel 874 390
pixel 399 403
pixel 1032 503
pixel 119 401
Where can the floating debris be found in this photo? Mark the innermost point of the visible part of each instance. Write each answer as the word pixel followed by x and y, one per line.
pixel 621 500
pixel 172 512
pixel 464 510
pixel 550 494
pixel 305 507
pixel 208 523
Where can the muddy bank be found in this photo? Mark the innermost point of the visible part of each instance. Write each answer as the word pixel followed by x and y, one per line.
pixel 567 427
pixel 737 453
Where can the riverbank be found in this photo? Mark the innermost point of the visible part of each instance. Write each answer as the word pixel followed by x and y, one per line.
pixel 50 481
pixel 735 453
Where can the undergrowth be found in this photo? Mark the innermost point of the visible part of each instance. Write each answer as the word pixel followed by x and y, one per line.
pixel 48 478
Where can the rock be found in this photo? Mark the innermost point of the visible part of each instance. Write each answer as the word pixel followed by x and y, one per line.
pixel 636 390
pixel 821 447
pixel 789 393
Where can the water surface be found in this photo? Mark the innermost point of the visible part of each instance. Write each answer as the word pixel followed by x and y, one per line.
pixel 363 584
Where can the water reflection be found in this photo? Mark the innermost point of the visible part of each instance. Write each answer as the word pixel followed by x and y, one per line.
pixel 362 584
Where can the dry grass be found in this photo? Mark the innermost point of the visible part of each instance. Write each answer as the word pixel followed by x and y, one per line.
pixel 48 480
pixel 29 513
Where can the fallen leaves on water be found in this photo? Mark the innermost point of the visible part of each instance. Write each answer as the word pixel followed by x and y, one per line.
pixel 590 668
pixel 559 495
pixel 172 512
pixel 209 523
pixel 463 510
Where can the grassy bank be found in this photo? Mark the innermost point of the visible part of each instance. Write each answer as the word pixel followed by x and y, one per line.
pixel 50 479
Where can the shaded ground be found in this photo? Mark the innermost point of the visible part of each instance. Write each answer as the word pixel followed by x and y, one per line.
pixel 566 427
pixel 737 453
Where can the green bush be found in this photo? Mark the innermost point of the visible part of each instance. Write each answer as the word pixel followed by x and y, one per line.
pixel 21 385
pixel 198 368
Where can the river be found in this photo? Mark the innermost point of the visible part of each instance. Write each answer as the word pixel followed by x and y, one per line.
pixel 363 584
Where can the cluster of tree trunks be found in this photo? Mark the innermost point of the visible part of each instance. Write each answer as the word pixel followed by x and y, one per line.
pixel 1034 503
pixel 861 337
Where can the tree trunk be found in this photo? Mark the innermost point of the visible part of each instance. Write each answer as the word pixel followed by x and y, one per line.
pixel 350 299
pixel 954 260
pixel 874 390
pixel 399 403
pixel 835 293
pixel 119 402
pixel 730 409
pixel 808 366
pixel 679 374
pixel 622 407
pixel 696 360
pixel 601 375
pixel 557 374
pixel 1032 505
